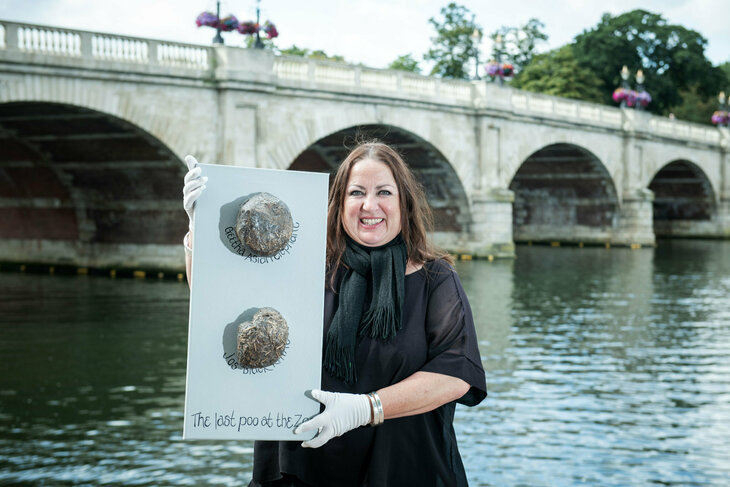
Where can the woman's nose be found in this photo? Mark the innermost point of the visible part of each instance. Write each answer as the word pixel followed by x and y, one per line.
pixel 369 202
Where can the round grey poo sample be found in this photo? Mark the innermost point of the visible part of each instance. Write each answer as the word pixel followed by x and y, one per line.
pixel 264 224
pixel 262 341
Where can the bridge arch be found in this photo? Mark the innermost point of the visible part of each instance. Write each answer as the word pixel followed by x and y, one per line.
pixel 444 190
pixel 601 148
pixel 316 122
pixel 74 180
pixel 563 192
pixel 140 107
pixel 684 200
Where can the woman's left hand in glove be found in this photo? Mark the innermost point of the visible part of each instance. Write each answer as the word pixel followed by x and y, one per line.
pixel 343 412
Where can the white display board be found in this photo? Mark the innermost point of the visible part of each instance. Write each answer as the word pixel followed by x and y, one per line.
pixel 222 399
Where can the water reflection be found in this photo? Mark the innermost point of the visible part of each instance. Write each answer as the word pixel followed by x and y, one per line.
pixel 615 372
pixel 605 367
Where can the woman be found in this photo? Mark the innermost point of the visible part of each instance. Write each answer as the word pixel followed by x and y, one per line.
pixel 400 344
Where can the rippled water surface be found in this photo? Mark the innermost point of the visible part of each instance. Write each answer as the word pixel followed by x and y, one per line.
pixel 605 367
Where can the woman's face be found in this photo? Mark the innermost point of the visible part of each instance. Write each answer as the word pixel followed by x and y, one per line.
pixel 371 212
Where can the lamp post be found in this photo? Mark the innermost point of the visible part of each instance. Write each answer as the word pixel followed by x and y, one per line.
pixel 625 83
pixel 721 117
pixel 498 41
pixel 259 43
pixel 477 36
pixel 218 39
pixel 639 88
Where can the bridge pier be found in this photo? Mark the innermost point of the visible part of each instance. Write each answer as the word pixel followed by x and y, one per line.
pixel 491 228
pixel 723 217
pixel 635 225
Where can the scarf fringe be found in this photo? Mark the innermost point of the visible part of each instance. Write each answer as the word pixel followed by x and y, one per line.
pixel 339 360
pixel 380 322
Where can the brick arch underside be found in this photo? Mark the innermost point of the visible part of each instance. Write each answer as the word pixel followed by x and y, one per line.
pixel 75 175
pixel 563 193
pixel 684 201
pixel 443 188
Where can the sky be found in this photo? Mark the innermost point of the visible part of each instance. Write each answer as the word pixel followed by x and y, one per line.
pixel 371 32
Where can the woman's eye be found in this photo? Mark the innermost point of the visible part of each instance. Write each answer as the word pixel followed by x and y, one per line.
pixel 384 192
pixel 356 192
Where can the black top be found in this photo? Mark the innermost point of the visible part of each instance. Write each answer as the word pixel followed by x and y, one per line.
pixel 437 336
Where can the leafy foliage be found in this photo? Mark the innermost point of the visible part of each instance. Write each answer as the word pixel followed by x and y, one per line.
pixel 317 54
pixel 695 107
pixel 453 46
pixel 405 63
pixel 671 56
pixel 558 73
pixel 518 43
pixel 294 51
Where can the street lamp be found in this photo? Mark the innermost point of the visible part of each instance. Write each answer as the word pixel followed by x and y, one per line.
pixel 477 36
pixel 218 39
pixel 498 41
pixel 258 44
pixel 625 83
pixel 639 89
pixel 495 68
pixel 638 98
pixel 720 117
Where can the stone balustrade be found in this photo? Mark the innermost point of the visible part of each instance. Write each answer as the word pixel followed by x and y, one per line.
pixel 67 43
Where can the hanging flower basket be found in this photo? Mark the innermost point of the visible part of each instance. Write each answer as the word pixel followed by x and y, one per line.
pixel 720 117
pixel 229 23
pixel 494 70
pixel 620 94
pixel 643 98
pixel 207 19
pixel 270 30
pixel 630 98
pixel 248 28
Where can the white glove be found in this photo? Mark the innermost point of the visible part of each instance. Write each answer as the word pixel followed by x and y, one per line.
pixel 343 412
pixel 194 185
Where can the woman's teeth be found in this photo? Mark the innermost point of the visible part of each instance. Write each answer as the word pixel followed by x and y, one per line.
pixel 371 221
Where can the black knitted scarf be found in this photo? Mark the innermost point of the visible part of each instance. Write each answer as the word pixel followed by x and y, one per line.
pixel 383 270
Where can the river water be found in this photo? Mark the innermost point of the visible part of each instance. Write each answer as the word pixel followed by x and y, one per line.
pixel 604 367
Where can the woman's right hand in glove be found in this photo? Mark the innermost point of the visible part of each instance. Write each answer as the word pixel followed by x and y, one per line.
pixel 194 185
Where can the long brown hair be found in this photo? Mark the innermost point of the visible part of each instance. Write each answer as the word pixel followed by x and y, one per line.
pixel 416 216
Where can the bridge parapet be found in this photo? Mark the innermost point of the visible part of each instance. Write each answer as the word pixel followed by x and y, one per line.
pixel 29 39
pixel 379 82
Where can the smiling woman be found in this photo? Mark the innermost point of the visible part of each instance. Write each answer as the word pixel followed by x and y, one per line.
pixel 400 348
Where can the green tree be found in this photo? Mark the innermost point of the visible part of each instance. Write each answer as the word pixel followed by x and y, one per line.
pixel 695 107
pixel 518 44
pixel 307 53
pixel 453 46
pixel 671 56
pixel 558 73
pixel 405 63
pixel 320 54
pixel 725 68
pixel 294 51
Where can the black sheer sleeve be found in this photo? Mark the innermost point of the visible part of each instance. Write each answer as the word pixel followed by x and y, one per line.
pixel 452 342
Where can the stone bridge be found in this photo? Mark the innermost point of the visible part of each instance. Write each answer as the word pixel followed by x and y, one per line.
pixel 93 129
